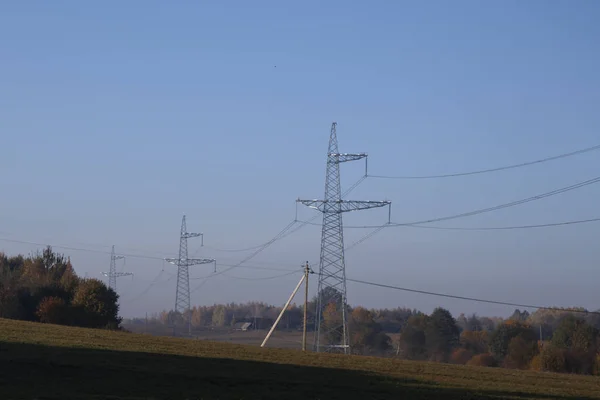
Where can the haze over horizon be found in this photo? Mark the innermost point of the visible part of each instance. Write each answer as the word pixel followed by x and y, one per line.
pixel 119 119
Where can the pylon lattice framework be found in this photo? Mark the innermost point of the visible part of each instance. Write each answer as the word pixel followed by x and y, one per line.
pixel 112 273
pixel 331 296
pixel 182 295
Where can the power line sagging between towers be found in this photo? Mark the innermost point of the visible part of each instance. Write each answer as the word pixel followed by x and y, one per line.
pixel 488 170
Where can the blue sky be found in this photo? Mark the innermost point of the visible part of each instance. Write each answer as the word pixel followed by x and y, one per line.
pixel 118 118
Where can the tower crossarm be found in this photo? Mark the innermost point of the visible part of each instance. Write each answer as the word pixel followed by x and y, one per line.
pixel 192 235
pixel 190 261
pixel 344 157
pixel 118 274
pixel 338 206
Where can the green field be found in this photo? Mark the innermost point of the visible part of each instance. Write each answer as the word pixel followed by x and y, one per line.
pixel 52 362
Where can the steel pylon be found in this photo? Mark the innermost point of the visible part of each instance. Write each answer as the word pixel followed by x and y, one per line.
pixel 331 332
pixel 112 273
pixel 182 295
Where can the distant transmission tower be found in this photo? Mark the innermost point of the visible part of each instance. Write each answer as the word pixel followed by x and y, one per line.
pixel 332 318
pixel 112 272
pixel 182 296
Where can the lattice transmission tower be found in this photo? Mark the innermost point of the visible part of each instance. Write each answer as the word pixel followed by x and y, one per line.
pixel 182 295
pixel 112 273
pixel 331 332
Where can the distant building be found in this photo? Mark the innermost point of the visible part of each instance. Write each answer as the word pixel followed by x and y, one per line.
pixel 242 326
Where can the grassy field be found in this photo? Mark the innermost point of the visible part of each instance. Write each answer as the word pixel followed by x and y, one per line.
pixel 52 362
pixel 279 339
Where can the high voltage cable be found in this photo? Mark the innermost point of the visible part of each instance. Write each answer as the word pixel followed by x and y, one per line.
pixel 506 205
pixel 490 209
pixel 244 249
pixel 497 228
pixel 451 296
pixel 254 254
pixel 484 228
pixel 482 171
pixel 126 255
pixel 264 278
pixel 154 282
pixel 281 235
pixel 379 228
pixel 78 249
pixel 296 229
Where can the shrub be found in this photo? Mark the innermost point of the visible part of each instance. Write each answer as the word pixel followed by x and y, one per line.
pixel 536 363
pixel 461 356
pixel 483 360
pixel 502 336
pixel 553 359
pixel 579 361
pixel 520 352
pixel 96 306
pixel 475 341
pixel 52 310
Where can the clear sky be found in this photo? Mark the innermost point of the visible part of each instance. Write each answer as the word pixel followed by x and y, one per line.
pixel 118 117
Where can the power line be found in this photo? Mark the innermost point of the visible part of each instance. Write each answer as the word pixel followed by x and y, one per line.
pixel 485 210
pixel 127 255
pixel 482 171
pixel 379 228
pixel 451 296
pixel 496 228
pixel 154 282
pixel 72 248
pixel 485 228
pixel 507 205
pixel 281 235
pixel 243 249
pixel 263 278
pixel 248 258
pixel 296 229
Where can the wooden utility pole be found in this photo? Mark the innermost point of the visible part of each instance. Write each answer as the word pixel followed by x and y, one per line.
pixel 282 311
pixel 306 272
pixel 304 278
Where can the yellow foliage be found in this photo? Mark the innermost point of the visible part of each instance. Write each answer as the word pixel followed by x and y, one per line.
pixel 536 363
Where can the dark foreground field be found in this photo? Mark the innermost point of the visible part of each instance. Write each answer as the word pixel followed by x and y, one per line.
pixel 51 362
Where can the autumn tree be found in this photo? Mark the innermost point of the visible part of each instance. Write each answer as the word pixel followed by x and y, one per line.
pixel 331 326
pixel 198 317
pixel 504 333
pixel 219 316
pixel 521 350
pixel 96 305
pixel 53 310
pixel 460 356
pixel 577 342
pixel 366 334
pixel 412 338
pixel 483 360
pixel 519 315
pixel 475 341
pixel 474 324
pixel 442 334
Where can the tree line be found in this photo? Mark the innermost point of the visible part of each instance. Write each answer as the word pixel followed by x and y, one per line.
pixel 44 287
pixel 561 340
